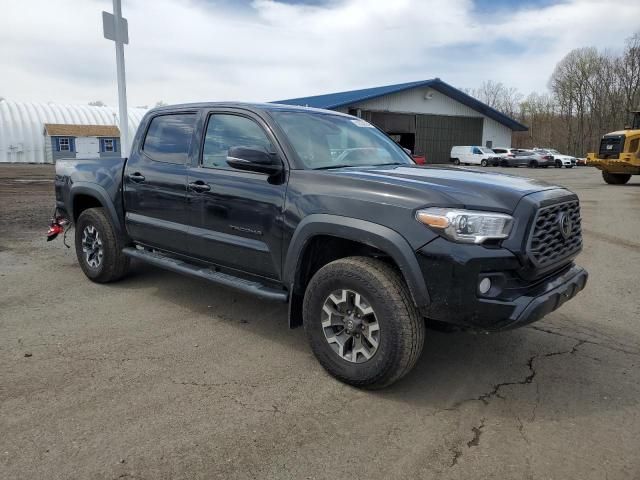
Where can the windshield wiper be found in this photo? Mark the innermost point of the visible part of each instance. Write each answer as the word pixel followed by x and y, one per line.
pixel 329 167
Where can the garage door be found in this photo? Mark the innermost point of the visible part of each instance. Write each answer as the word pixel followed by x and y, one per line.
pixel 87 147
pixel 436 134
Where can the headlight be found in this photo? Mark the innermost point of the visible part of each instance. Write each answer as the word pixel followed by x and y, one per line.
pixel 466 226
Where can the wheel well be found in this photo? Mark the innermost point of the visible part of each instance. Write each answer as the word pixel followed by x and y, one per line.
pixel 319 251
pixel 81 202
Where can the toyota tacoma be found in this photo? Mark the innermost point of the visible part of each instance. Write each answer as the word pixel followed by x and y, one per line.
pixel 324 211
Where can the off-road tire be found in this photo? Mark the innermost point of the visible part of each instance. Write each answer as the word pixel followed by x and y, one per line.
pixel 616 178
pixel 402 329
pixel 114 264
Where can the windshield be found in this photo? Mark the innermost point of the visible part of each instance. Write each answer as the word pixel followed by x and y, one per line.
pixel 486 150
pixel 553 151
pixel 324 141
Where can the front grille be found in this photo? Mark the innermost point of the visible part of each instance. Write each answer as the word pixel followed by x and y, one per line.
pixel 547 243
pixel 611 146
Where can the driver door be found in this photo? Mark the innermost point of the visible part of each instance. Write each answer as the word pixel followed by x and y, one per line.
pixel 235 215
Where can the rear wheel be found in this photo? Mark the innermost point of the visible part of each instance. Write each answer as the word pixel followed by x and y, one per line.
pixel 616 178
pixel 98 247
pixel 456 161
pixel 484 163
pixel 361 322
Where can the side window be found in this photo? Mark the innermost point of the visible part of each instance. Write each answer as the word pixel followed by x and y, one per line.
pixel 64 145
pixel 476 151
pixel 633 146
pixel 225 131
pixel 108 145
pixel 169 138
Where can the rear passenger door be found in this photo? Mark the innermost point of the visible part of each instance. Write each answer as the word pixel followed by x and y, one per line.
pixel 235 214
pixel 155 183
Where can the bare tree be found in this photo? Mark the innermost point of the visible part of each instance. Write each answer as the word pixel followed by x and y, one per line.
pixel 498 96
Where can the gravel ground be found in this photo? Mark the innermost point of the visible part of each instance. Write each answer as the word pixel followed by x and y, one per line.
pixel 161 376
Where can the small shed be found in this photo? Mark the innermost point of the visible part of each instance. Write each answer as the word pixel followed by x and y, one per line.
pixel 80 141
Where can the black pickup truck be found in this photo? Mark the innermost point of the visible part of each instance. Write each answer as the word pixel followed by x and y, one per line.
pixel 324 211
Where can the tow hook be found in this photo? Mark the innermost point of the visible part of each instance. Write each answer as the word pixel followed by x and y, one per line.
pixel 56 227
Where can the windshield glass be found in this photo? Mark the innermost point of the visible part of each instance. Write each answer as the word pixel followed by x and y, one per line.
pixel 554 151
pixel 330 141
pixel 486 150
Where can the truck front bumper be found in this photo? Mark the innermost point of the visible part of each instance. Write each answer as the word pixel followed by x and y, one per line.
pixel 453 273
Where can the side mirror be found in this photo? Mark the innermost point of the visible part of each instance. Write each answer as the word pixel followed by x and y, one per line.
pixel 254 159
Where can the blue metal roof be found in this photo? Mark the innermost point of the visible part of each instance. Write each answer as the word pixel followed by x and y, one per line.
pixel 343 99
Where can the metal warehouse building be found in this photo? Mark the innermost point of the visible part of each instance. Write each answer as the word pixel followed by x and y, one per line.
pixel 428 117
pixel 43 132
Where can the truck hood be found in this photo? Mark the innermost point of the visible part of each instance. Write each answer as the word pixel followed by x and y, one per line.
pixel 445 186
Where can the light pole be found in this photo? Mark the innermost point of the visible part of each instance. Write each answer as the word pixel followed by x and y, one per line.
pixel 116 28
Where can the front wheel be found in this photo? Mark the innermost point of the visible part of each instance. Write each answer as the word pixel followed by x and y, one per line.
pixel 558 164
pixel 361 322
pixel 533 164
pixel 616 178
pixel 484 163
pixel 98 247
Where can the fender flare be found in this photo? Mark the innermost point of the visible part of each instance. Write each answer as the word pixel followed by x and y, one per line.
pixel 98 192
pixel 362 231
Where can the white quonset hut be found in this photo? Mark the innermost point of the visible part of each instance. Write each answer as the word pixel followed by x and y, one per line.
pixel 428 117
pixel 25 139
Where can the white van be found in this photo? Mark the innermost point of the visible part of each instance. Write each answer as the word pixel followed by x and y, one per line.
pixel 471 155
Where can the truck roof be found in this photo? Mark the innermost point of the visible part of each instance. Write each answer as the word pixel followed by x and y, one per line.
pixel 247 106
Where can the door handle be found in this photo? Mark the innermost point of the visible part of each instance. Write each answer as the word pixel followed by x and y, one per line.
pixel 199 186
pixel 136 177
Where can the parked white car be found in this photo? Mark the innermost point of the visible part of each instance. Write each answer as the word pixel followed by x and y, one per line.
pixel 471 155
pixel 560 160
pixel 505 151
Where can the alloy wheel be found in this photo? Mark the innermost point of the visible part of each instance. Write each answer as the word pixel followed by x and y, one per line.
pixel 350 326
pixel 92 246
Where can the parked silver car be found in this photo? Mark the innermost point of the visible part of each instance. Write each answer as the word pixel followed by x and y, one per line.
pixel 560 160
pixel 527 158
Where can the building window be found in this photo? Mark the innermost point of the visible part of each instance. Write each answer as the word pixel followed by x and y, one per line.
pixel 108 145
pixel 64 145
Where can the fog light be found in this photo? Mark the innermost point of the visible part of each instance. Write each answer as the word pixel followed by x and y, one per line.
pixel 484 286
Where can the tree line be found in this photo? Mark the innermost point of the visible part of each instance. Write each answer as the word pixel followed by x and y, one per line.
pixel 590 93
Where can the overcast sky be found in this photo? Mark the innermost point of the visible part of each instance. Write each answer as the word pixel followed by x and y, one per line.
pixel 188 50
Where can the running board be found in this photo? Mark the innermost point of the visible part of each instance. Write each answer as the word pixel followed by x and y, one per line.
pixel 178 266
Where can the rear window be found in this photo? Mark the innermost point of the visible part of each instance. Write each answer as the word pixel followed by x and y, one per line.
pixel 169 138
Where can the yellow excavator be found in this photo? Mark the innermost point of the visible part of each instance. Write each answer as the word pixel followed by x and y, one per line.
pixel 619 154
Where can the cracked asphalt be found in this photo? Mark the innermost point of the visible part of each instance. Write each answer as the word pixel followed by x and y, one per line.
pixel 161 376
